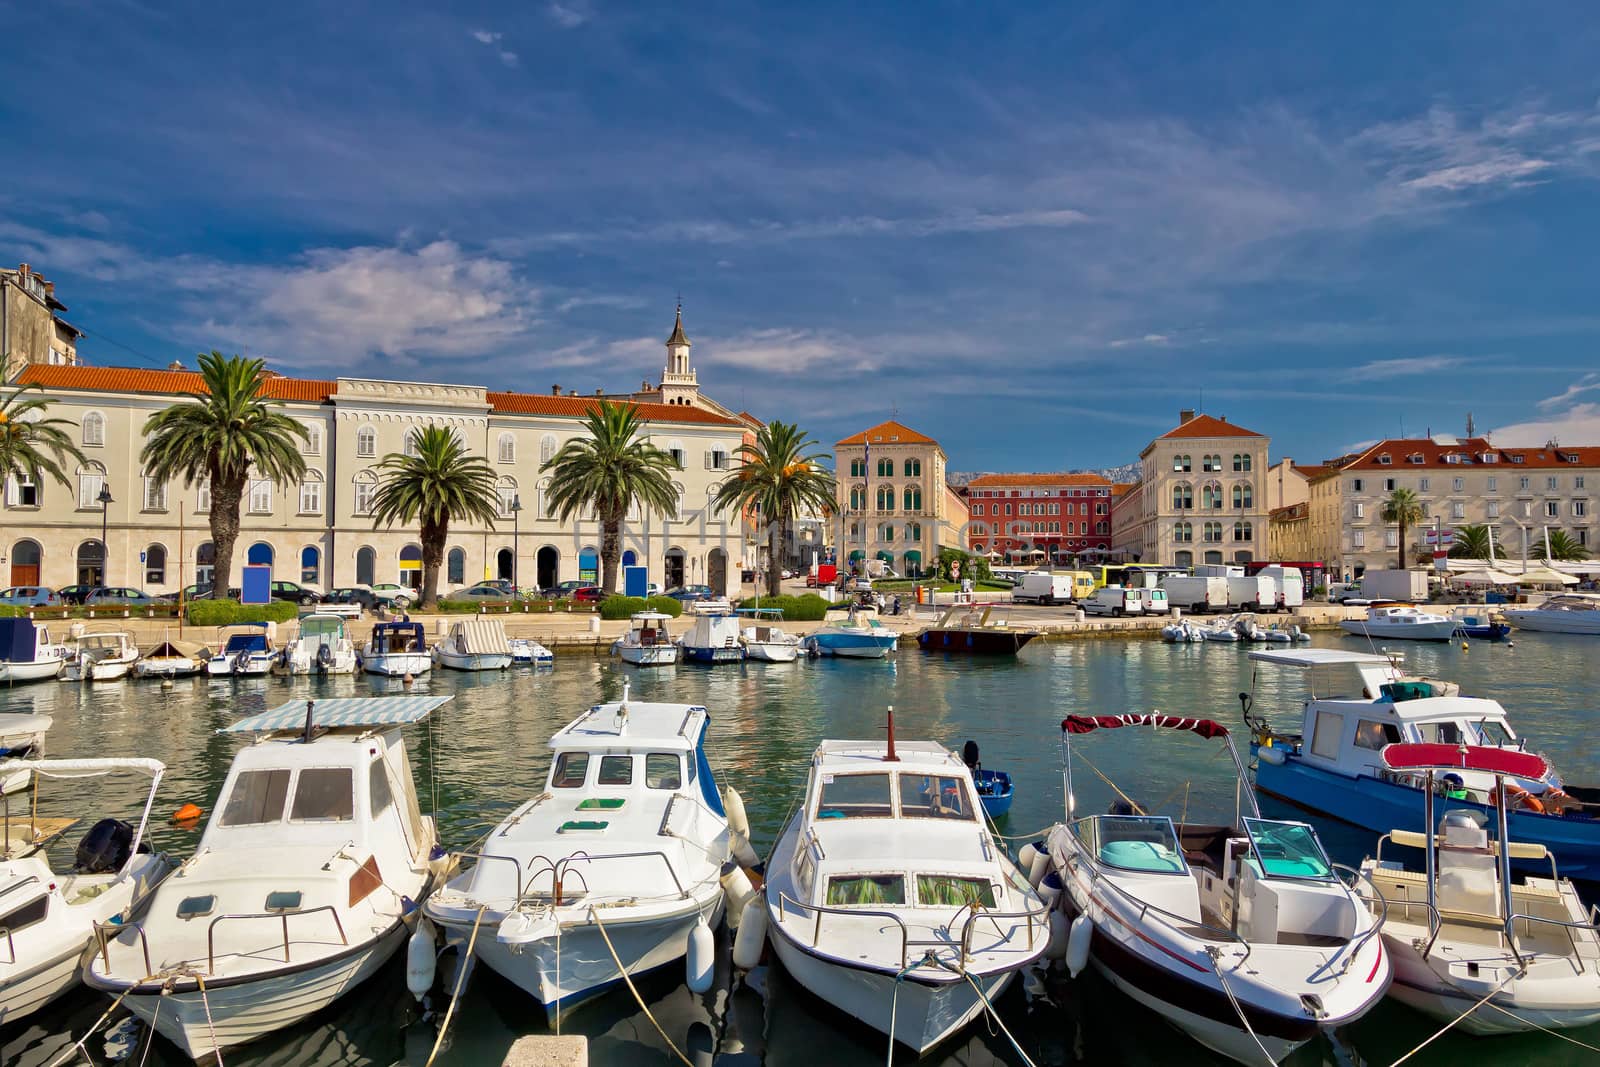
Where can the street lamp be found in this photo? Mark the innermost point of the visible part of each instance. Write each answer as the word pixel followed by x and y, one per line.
pixel 105 509
pixel 516 539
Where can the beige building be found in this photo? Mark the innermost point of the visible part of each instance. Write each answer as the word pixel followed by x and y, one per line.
pixel 1519 493
pixel 893 501
pixel 31 327
pixel 1289 532
pixel 1286 484
pixel 319 531
pixel 1201 497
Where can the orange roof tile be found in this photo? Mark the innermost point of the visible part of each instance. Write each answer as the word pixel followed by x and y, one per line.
pixel 1405 453
pixel 1123 488
pixel 170 382
pixel 542 404
pixel 889 433
pixel 1208 426
pixel 986 480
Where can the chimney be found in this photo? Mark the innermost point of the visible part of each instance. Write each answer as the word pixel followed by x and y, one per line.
pixel 24 270
pixel 176 364
pixel 1222 418
pixel 1185 415
pixel 49 288
pixel 599 392
pixel 555 390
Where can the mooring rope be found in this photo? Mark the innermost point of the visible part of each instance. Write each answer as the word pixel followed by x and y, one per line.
pixel 461 980
pixel 205 1001
pixel 77 1046
pixel 1216 966
pixel 1449 1025
pixel 632 989
pixel 1544 1029
pixel 984 1000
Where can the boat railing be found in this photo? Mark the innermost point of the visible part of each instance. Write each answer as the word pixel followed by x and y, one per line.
pixel 524 884
pixel 662 856
pixel 819 910
pixel 1383 912
pixel 32 879
pixel 1040 915
pixel 116 930
pixel 1180 924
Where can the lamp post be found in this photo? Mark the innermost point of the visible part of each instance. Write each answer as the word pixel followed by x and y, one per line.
pixel 516 540
pixel 105 510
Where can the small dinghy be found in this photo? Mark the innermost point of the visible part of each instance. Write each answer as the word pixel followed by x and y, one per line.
pixel 1182 632
pixel 305 881
pixel 396 649
pixel 528 652
pixel 172 659
pixel 22 733
pixel 1465 937
pixel 244 650
pixel 478 644
pixel 1481 627
pixel 26 654
pixel 619 858
pixel 321 647
pixel 889 898
pixel 49 916
pixel 994 787
pixel 103 656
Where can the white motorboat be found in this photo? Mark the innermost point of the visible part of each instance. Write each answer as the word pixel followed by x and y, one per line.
pixel 1564 613
pixel 303 885
pixel 476 644
pixel 857 636
pixel 626 842
pixel 26 654
pixel 766 642
pixel 525 650
pixel 888 897
pixel 321 647
pixel 172 659
pixel 49 916
pixel 647 642
pixel 22 733
pixel 713 635
pixel 1402 622
pixel 242 650
pixel 1244 936
pixel 1470 945
pixel 102 656
pixel 396 649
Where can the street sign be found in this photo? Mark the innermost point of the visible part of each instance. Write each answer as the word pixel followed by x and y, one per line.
pixel 1445 538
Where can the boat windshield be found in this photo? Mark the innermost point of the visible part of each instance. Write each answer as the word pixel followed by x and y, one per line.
pixel 866 890
pixel 1288 850
pixel 1484 731
pixel 854 796
pixel 949 891
pixel 1146 843
pixel 927 796
pixel 247 642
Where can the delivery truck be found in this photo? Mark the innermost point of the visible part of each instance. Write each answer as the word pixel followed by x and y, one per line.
pixel 1395 585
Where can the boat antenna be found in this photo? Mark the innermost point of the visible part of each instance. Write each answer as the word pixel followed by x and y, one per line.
pixel 310 706
pixel 890 757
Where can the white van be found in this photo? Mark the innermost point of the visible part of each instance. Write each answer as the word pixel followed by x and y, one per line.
pixel 1152 600
pixel 1291 586
pixel 1042 587
pixel 1255 593
pixel 1114 600
pixel 1197 595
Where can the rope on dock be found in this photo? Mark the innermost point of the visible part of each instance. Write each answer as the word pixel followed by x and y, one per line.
pixel 1216 966
pixel 1449 1025
pixel 593 914
pixel 984 1000
pixel 461 980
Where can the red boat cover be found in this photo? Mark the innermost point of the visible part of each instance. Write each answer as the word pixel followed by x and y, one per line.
pixel 1082 724
pixel 1414 757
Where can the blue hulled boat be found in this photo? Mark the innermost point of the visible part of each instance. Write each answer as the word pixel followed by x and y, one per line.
pixel 994 787
pixel 712 637
pixel 858 636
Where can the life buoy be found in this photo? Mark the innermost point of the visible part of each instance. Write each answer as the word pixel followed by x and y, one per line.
pixel 1516 795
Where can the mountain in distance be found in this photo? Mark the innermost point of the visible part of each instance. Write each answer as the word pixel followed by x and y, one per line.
pixel 1127 472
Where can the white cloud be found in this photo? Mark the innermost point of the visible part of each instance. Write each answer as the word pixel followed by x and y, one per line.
pixel 1578 425
pixel 1410 366
pixel 1147 339
pixel 1587 383
pixel 569 14
pixel 1504 170
pixel 492 40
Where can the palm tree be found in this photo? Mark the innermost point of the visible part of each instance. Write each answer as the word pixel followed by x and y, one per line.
pixel 1404 510
pixel 777 478
pixel 32 446
pixel 222 435
pixel 610 469
pixel 1471 542
pixel 443 481
pixel 1564 546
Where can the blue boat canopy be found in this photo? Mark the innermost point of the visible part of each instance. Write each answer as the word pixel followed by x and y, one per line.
pixel 18 641
pixel 339 711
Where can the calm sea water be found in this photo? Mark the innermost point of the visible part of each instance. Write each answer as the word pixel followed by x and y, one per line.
pixel 485 754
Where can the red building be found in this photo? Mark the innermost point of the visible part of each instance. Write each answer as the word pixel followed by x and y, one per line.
pixel 1039 516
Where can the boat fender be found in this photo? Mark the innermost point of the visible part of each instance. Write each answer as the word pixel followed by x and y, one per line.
pixel 1025 856
pixel 738 890
pixel 188 815
pixel 701 958
pixel 1055 945
pixel 739 848
pixel 1050 887
pixel 738 819
pixel 1275 756
pixel 701 1045
pixel 751 937
pixel 1078 939
pixel 422 960
pixel 1041 864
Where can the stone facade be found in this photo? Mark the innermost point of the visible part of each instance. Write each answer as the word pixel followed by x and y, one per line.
pixel 1202 499
pixel 893 503
pixel 31 327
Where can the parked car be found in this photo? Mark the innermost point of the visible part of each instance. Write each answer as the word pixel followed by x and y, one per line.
pixel 30 596
pixel 360 596
pixel 588 594
pixel 115 596
pixel 564 590
pixel 481 591
pixel 400 594
pixel 688 593
pixel 198 591
pixel 296 592
pixel 74 594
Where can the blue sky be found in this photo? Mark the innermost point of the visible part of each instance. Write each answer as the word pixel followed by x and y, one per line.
pixel 1034 232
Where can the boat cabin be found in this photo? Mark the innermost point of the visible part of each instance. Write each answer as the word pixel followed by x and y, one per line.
pixel 393 638
pixel 23 641
pixel 649 628
pixel 246 637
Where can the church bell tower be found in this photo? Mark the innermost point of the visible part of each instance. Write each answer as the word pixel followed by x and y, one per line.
pixel 679 384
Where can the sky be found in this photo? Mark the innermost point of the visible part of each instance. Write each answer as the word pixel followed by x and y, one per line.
pixel 1034 232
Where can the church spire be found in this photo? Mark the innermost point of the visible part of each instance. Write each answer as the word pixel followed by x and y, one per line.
pixel 678 336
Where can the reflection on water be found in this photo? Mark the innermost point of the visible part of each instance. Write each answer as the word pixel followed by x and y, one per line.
pixel 484 753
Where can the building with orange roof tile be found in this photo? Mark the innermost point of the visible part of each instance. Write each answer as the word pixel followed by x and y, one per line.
pixel 893 503
pixel 1045 518
pixel 1202 497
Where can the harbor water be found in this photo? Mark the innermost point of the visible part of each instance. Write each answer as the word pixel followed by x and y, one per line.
pixel 484 753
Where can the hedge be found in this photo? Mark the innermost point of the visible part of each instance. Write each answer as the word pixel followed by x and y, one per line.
pixel 807 608
pixel 623 607
pixel 231 612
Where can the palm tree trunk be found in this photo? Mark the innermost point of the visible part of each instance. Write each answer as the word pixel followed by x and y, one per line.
pixel 225 497
pixel 434 536
pixel 1402 544
pixel 610 551
pixel 779 532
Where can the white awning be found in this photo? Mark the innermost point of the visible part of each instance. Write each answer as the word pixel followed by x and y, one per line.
pixel 340 711
pixel 83 768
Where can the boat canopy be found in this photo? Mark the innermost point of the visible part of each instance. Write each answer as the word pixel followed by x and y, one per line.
pixel 1434 756
pixel 1318 657
pixel 315 623
pixel 1083 724
pixel 482 636
pixel 19 642
pixel 176 650
pixel 84 768
pixel 776 613
pixel 339 711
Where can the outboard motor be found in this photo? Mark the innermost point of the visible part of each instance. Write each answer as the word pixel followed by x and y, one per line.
pixel 324 659
pixel 241 661
pixel 1121 807
pixel 969 755
pixel 105 848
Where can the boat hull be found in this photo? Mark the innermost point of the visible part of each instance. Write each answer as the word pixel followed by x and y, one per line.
pixel 1419 631
pixel 851 645
pixel 1552 622
pixel 257 664
pixel 994 791
pixel 36 671
pixel 1417 986
pixel 772 651
pixel 649 656
pixel 713 655
pixel 974 642
pixel 26 993
pixel 397 665
pixel 166 667
pixel 475 661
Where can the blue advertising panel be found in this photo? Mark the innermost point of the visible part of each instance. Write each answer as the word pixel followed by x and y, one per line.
pixel 257 585
pixel 588 566
pixel 635 581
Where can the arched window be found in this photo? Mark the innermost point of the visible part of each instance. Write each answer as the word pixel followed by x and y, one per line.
pixel 1213 532
pixel 858 498
pixel 411 567
pixel 366 484
pixel 1183 531
pixel 366 565
pixel 92 562
pixel 1213 462
pixel 1243 531
pixel 1244 496
pixel 25 559
pixel 913 468
pixel 1241 461
pixel 547 508
pixel 1182 496
pixel 455 566
pixel 310 565
pixel 505 491
pixel 913 498
pixel 311 493
pixel 858 468
pixel 1183 559
pixel 506 448
pixel 886 468
pixel 885 498
pixel 1211 496
pixel 155 565
pixel 1213 556
pixel 311 443
pixel 366 442
pixel 886 532
pixel 547 448
pixel 94 430
pixel 91 479
pixel 1182 464
pixel 913 531
pixel 259 555
pixel 410 442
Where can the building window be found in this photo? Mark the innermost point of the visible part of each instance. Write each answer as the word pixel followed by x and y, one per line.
pixel 261 496
pixel 1182 496
pixel 1422 485
pixel 21 492
pixel 858 499
pixel 506 448
pixel 886 468
pixel 1358 539
pixel 913 498
pixel 202 495
pixel 155 494
pixel 858 468
pixel 366 442
pixel 1213 532
pixel 1243 531
pixel 366 484
pixel 1102 527
pixel 311 444
pixel 1523 482
pixel 1494 509
pixel 409 446
pixel 885 498
pixel 1358 510
pixel 1355 485
pixel 311 493
pixel 1458 510
pixel 977 509
pixel 1183 531
pixel 1385 460
pixel 1182 464
pixel 913 531
pixel 913 468
pixel 1550 483
pixel 1580 508
pixel 505 492
pixel 1211 496
pixel 155 565
pixel 886 532
pixel 1242 461
pixel 94 430
pixel 1244 496
pixel 1552 509
pixel 1391 539
pixel 91 478
pixel 716 460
